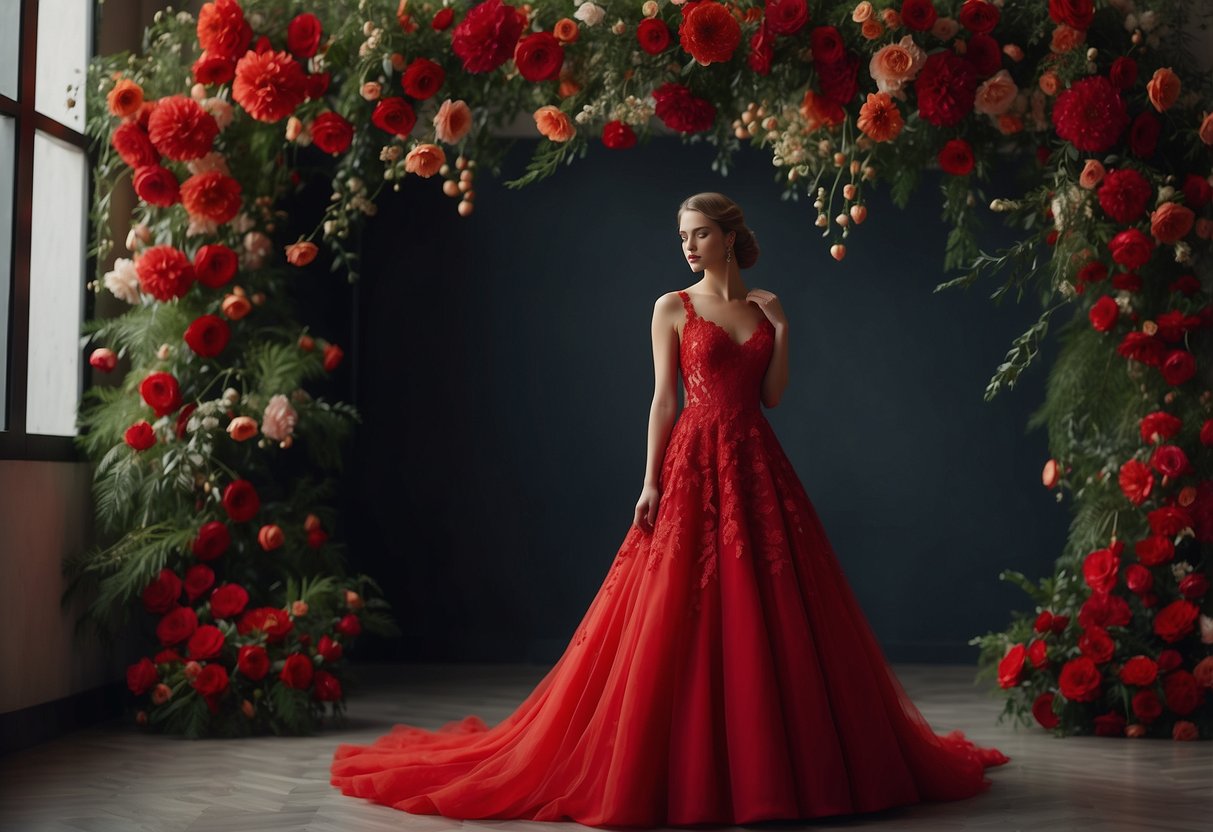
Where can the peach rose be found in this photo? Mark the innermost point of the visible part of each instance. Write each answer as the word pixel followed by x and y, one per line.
pixel 301 253
pixel 1009 124
pixel 1013 51
pixel 371 90
pixel 862 12
pixel 278 421
pixel 235 307
pixel 554 123
pixel 125 98
pixel 872 28
pixel 1163 88
pixel 425 160
pixel 452 121
pixel 1092 174
pixel 1049 82
pixel 1066 38
pixel 1171 222
pixel 566 30
pixel 242 428
pixel 945 28
pixel 996 94
pixel 891 18
pixel 895 65
pixel 568 87
pixel 1206 129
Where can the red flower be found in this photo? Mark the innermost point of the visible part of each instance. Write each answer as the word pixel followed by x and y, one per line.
pixel 979 16
pixel 207 335
pixel 1138 346
pixel 1042 709
pixel 485 38
pixel 1139 671
pixel 679 110
pixel 1194 586
pixel 316 85
pixel 164 272
pixel 1175 620
pixel 133 145
pixel 228 601
pixel 1044 622
pixel 162 593
pixel 177 626
pixel 1159 425
pixel 213 69
pixel 198 579
pixel 1197 191
pixel 422 78
pixel 761 50
pixel 206 642
pixel 985 54
pixel 240 501
pixel 1131 248
pixel 539 56
pixel 332 357
pixel 1104 609
pixel 1104 313
pixel 1010 669
pixel 1178 367
pixel 142 676
pixel 709 32
pixel 1092 272
pixel 212 681
pixel 222 29
pixel 297 672
pixel 1206 433
pixel 1169 520
pixel 394 115
pixel 1136 481
pixel 946 87
pixel 328 689
pixel 181 129
pixel 1090 115
pixel 1038 654
pixel 161 392
pixel 1146 706
pixel 1080 680
pixel 1169 460
pixel 212 541
pixel 215 265
pixel 303 35
pixel 1124 195
pixel 839 82
pixel 253 662
pixel 1128 281
pixel 349 625
pixel 156 185
pixel 1183 694
pixel 140 435
pixel 328 649
pixel 956 157
pixel 442 19
pixel 1154 550
pixel 1111 724
pixel 653 35
pixel 1097 645
pixel 275 623
pixel 1099 568
pixel 1186 283
pixel 919 15
pixel 618 136
pixel 269 85
pixel 212 196
pixel 332 133
pixel 1076 13
pixel 827 45
pixel 1143 135
pixel 785 17
pixel 1123 72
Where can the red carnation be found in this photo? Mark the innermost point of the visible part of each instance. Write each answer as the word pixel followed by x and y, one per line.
pixel 222 29
pixel 485 38
pixel 332 133
pixel 269 85
pixel 618 136
pixel 1090 115
pixel 539 56
pixel 213 69
pixel 785 17
pixel 212 681
pixel 215 265
pixel 1010 669
pixel 919 15
pixel 162 594
pixel 161 392
pixel 1143 135
pixel 181 129
pixel 1136 481
pixel 423 77
pixel 134 146
pixel 946 87
pixel 395 115
pixel 1042 709
pixel 1080 680
pixel 679 110
pixel 1104 314
pixel 297 672
pixel 1176 620
pixel 653 35
pixel 207 335
pixel 956 157
pixel 1076 13
pixel 212 540
pixel 1131 248
pixel 212 196
pixel 156 185
pixel 1178 367
pixel 709 32
pixel 327 688
pixel 303 35
pixel 827 45
pixel 140 435
pixel 978 16
pixel 240 501
pixel 228 601
pixel 206 642
pixel 1124 195
pixel 164 272
pixel 142 676
pixel 177 626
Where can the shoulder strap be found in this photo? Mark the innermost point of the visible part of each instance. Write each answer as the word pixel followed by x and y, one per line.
pixel 686 303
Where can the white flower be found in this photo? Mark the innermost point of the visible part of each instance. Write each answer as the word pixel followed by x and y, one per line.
pixel 123 281
pixel 591 14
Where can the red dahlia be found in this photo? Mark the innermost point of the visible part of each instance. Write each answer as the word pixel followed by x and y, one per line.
pixel 709 32
pixel 222 29
pixel 164 272
pixel 539 56
pixel 134 146
pixel 946 87
pixel 212 196
pixel 269 85
pixel 181 129
pixel 1124 195
pixel 679 110
pixel 485 38
pixel 1090 115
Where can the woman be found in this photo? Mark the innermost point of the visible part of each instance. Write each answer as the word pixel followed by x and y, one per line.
pixel 724 672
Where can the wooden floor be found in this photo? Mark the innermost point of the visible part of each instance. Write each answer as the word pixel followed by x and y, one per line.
pixel 114 777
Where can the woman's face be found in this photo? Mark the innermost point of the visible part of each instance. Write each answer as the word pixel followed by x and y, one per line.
pixel 703 243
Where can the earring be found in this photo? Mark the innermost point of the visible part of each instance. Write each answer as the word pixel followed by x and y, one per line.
pixel 729 259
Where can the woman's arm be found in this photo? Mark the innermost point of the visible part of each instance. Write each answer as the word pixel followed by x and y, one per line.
pixel 776 379
pixel 665 387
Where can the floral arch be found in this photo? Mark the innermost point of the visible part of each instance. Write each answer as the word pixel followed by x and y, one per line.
pixel 227 558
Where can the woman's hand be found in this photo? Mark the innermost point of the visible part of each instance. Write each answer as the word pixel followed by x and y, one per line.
pixel 769 304
pixel 646 508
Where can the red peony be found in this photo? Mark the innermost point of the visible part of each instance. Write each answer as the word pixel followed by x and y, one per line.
pixel 1104 314
pixel 1139 671
pixel 215 265
pixel 1124 195
pixel 213 69
pixel 709 32
pixel 1136 481
pixel 198 579
pixel 164 272
pixel 303 35
pixel 212 681
pixel 181 129
pixel 222 29
pixel 328 689
pixel 140 435
pixel 679 110
pixel 206 642
pixel 1178 367
pixel 212 540
pixel 253 662
pixel 297 672
pixel 1042 709
pixel 1176 620
pixel 1010 669
pixel 177 626
pixel 539 57
pixel 1170 460
pixel 485 38
pixel 1080 680
pixel 785 17
pixel 979 16
pixel 156 185
pixel 240 501
pixel 275 623
pixel 161 392
pixel 618 136
pixel 1090 115
pixel 1155 550
pixel 142 676
pixel 332 133
pixel 1143 135
pixel 1075 13
pixel 956 157
pixel 1146 706
pixel 212 196
pixel 228 601
pixel 1131 248
pixel 394 115
pixel 269 85
pixel 134 146
pixel 162 593
pixel 653 35
pixel 1182 692
pixel 919 15
pixel 946 87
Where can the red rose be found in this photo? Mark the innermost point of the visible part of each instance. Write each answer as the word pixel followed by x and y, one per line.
pixel 156 185
pixel 303 35
pixel 164 272
pixel 762 52
pixel 1104 609
pixel 1178 367
pixel 1104 313
pixel 1194 586
pixel 1097 645
pixel 1169 659
pixel 1128 281
pixel 162 593
pixel 395 115
pixel 1183 694
pixel 1091 114
pixel 1136 481
pixel 679 110
pixel 538 57
pixel 253 662
pixel 442 19
pixel 1038 654
pixel 785 17
pixel 141 676
pixel 956 157
pixel 709 32
pixel 1042 709
pixel 212 681
pixel 1044 622
pixel 1176 620
pixel 140 435
pixel 1170 461
pixel 1093 271
pixel 919 15
pixel 1075 13
pixel 269 85
pixel 1146 706
pixel 213 69
pixel 618 136
pixel 228 601
pixel 946 87
pixel 240 501
pixel 1206 433
pixel 177 626
pixel 1197 191
pixel 485 38
pixel 979 16
pixel 207 335
pixel 1155 550
pixel 1173 325
pixel 215 265
pixel 328 649
pixel 1159 425
pixel 1010 669
pixel 181 129
pixel 1059 624
pixel 212 540
pixel 328 689
pixel 331 133
pixel 1143 135
pixel 1124 195
pixel 297 672
pixel 198 579
pixel 206 642
pixel 161 392
pixel 316 85
pixel 133 145
pixel 212 196
pixel 985 54
pixel 1100 568
pixel 1139 670
pixel 653 35
pixel 423 77
pixel 827 45
pixel 1131 248
pixel 1138 346
pixel 275 623
pixel 1123 72
pixel 1110 724
pixel 1138 578
pixel 222 29
pixel 349 625
pixel 839 80
pixel 332 357
pixel 1080 680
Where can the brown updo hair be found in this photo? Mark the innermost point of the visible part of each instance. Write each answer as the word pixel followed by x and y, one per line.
pixel 727 214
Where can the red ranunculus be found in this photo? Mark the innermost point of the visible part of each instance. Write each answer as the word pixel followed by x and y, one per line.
pixel 215 264
pixel 709 32
pixel 349 625
pixel 1042 709
pixel 395 115
pixel 538 57
pixel 156 185
pixel 198 579
pixel 161 393
pixel 253 662
pixel 653 35
pixel 142 676
pixel 181 129
pixel 1010 669
pixel 1075 13
pixel 1091 114
pixel 1143 135
pixel 679 110
pixel 222 29
pixel 228 601
pixel 274 622
pixel 1178 367
pixel 979 16
pixel 1080 680
pixel 1146 706
pixel 164 272
pixel 207 335
pixel 240 501
pixel 269 85
pixel 297 672
pixel 162 593
pixel 785 17
pixel 140 435
pixel 1104 314
pixel 485 38
pixel 178 625
pixel 946 87
pixel 956 157
pixel 1176 620
pixel 212 681
pixel 212 540
pixel 133 145
pixel 332 133
pixel 206 642
pixel 618 136
pixel 1182 692
pixel 328 649
pixel 303 35
pixel 327 688
pixel 1124 195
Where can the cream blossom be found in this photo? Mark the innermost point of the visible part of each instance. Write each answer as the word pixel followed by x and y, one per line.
pixel 220 109
pixel 896 64
pixel 213 162
pixel 862 12
pixel 945 28
pixel 591 14
pixel 996 94
pixel 123 280
pixel 278 421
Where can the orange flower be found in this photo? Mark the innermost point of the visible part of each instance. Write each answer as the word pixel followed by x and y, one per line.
pixel 125 98
pixel 301 253
pixel 566 30
pixel 555 124
pixel 1066 38
pixel 1171 222
pixel 862 12
pixel 1163 88
pixel 872 28
pixel 1092 174
pixel 1009 124
pixel 568 87
pixel 819 111
pixel 235 307
pixel 1049 83
pixel 879 117
pixel 425 160
pixel 242 428
pixel 1206 129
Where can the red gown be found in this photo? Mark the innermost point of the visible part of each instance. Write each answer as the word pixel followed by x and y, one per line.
pixel 724 672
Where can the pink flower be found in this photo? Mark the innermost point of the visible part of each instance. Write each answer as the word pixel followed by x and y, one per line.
pixel 278 421
pixel 895 65
pixel 996 94
pixel 452 121
pixel 425 160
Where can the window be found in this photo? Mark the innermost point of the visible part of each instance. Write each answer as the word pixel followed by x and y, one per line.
pixel 44 50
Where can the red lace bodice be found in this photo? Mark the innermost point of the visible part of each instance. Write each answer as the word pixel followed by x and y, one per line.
pixel 718 371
